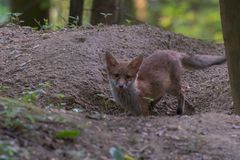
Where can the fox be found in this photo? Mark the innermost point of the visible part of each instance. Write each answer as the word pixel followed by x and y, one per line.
pixel 139 84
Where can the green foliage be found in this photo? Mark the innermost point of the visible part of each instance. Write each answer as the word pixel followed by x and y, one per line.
pixel 15 18
pixel 45 85
pixel 59 102
pixel 3 88
pixel 199 19
pixel 105 15
pixel 60 95
pixel 3 13
pixel 31 96
pixel 67 134
pixel 7 151
pixel 194 18
pixel 45 26
pixel 129 22
pixel 15 116
pixel 74 22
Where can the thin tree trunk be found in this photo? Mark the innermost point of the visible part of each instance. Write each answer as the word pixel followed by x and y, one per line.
pixel 141 9
pixel 127 11
pixel 231 33
pixel 76 12
pixel 105 11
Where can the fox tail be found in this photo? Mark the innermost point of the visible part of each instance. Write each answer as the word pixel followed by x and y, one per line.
pixel 202 61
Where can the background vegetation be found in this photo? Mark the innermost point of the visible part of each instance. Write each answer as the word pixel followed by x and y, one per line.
pixel 194 18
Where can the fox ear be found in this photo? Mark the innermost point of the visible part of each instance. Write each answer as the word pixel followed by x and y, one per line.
pixel 111 60
pixel 136 63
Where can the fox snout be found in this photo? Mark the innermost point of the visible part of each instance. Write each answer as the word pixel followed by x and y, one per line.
pixel 121 83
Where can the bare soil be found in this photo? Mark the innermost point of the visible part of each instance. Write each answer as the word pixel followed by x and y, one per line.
pixel 66 70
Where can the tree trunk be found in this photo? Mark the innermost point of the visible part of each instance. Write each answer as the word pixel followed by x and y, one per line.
pixel 105 11
pixel 141 9
pixel 32 11
pixel 76 12
pixel 127 12
pixel 231 33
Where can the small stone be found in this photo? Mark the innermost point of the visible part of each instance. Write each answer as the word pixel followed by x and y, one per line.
pixel 173 127
pixel 236 126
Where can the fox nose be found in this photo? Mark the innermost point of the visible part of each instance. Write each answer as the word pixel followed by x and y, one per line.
pixel 120 86
pixel 121 83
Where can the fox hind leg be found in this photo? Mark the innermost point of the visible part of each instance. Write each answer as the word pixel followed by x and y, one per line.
pixel 177 92
pixel 176 88
pixel 181 104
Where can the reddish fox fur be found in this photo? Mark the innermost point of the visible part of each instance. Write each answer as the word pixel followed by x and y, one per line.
pixel 139 84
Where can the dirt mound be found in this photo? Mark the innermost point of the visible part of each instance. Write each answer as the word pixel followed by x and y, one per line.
pixel 69 68
pixel 66 69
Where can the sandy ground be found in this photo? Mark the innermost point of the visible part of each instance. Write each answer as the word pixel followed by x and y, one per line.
pixel 66 69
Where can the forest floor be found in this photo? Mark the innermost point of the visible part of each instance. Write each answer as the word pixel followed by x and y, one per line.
pixel 58 103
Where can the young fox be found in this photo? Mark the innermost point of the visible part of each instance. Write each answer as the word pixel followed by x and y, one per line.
pixel 139 84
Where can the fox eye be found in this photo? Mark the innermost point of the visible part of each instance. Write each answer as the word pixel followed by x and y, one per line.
pixel 128 77
pixel 116 75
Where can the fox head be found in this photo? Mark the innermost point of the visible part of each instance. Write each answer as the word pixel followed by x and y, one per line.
pixel 122 74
